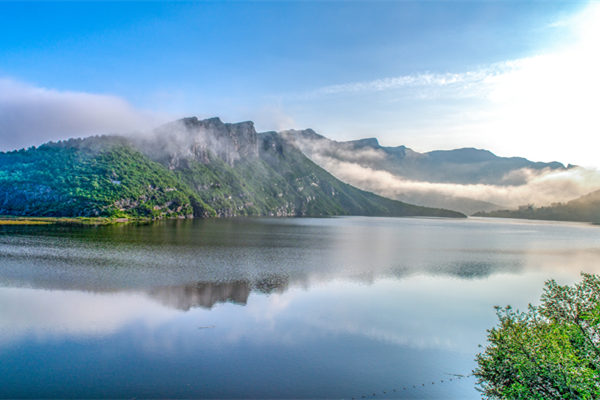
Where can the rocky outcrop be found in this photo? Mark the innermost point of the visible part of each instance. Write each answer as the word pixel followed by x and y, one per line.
pixel 188 139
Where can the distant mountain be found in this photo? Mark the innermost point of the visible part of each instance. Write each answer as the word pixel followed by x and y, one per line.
pixel 186 168
pixel 467 166
pixel 582 209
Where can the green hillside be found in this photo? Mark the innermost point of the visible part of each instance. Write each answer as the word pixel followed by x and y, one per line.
pixel 97 176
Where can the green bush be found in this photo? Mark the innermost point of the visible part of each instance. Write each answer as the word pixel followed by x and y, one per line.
pixel 551 351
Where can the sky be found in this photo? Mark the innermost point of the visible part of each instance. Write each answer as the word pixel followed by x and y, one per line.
pixel 516 77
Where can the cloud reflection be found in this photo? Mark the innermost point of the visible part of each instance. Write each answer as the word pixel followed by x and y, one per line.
pixel 56 313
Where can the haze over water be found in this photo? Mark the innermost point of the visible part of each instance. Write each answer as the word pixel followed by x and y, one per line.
pixel 276 308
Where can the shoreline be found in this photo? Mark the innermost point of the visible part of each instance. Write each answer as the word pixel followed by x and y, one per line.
pixel 11 220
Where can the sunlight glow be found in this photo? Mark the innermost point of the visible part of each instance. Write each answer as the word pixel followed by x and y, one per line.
pixel 548 103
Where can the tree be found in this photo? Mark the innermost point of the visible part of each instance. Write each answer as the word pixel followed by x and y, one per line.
pixel 550 351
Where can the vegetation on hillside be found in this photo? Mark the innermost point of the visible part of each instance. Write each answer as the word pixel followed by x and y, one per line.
pixel 551 351
pixel 100 176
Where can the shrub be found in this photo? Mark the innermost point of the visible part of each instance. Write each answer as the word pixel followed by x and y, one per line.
pixel 551 351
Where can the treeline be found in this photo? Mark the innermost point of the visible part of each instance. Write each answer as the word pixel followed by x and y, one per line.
pixel 583 209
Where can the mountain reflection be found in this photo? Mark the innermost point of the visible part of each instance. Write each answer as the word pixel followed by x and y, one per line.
pixel 207 294
pixel 472 269
pixel 202 294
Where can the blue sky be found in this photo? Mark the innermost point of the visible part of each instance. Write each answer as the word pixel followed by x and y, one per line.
pixel 413 73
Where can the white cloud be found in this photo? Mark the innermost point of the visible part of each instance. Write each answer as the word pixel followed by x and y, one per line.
pixel 31 115
pixel 412 81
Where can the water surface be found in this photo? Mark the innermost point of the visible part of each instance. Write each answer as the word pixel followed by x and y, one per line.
pixel 268 308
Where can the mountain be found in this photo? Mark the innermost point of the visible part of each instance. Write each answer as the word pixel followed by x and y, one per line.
pixel 186 168
pixel 423 178
pixel 583 209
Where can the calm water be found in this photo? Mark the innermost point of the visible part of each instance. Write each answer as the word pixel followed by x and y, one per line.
pixel 275 308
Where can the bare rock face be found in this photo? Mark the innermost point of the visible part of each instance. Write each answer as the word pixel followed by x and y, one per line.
pixel 199 140
pixel 231 142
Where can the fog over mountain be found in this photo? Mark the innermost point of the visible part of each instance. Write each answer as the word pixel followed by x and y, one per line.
pixel 467 180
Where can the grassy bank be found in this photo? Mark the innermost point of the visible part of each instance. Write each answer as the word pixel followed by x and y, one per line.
pixel 9 220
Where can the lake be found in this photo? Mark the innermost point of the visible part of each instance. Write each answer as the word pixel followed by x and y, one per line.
pixel 269 308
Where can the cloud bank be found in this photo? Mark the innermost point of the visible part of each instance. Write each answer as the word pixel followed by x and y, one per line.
pixel 31 115
pixel 541 188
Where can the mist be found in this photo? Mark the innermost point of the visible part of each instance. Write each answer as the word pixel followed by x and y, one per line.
pixel 523 186
pixel 31 115
pixel 542 188
pixel 191 138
